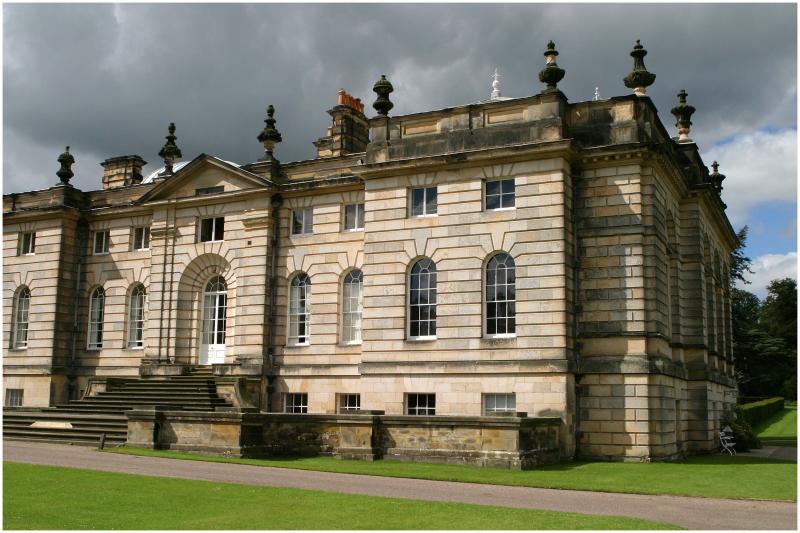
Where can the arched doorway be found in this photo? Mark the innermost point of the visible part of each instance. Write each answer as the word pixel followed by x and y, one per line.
pixel 215 316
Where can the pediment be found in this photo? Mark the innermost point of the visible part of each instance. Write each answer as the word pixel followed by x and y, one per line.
pixel 201 174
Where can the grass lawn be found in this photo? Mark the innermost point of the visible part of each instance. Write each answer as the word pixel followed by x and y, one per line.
pixel 781 428
pixel 710 475
pixel 45 497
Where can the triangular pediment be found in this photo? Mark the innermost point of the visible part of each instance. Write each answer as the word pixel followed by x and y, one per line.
pixel 205 173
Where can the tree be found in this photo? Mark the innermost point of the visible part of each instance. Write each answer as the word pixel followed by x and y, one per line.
pixel 779 312
pixel 740 263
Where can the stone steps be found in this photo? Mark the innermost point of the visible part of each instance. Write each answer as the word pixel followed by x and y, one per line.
pixel 104 413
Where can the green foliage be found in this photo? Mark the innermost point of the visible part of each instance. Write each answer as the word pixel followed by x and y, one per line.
pixel 708 476
pixel 756 412
pixel 740 263
pixel 743 433
pixel 780 429
pixel 42 497
pixel 765 340
pixel 779 310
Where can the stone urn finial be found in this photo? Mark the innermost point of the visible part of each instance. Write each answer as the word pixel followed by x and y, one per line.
pixel 65 172
pixel 639 79
pixel 269 136
pixel 716 177
pixel 170 151
pixel 683 114
pixel 383 88
pixel 551 74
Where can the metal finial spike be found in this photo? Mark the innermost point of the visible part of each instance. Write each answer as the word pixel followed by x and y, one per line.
pixel 495 86
pixel 596 94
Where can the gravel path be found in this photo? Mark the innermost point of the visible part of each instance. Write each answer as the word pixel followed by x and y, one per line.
pixel 691 513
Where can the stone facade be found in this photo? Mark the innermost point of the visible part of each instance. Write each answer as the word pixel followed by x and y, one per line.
pixel 620 248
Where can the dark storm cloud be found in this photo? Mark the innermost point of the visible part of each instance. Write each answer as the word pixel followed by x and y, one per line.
pixel 107 79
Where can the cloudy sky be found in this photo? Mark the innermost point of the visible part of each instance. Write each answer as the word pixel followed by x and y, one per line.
pixel 107 79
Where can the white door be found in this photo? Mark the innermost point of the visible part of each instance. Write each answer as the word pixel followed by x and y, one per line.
pixel 212 342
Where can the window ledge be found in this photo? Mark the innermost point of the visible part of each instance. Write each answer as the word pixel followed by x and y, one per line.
pixel 353 230
pixel 136 348
pixel 432 215
pixel 351 343
pixel 505 337
pixel 94 349
pixel 298 345
pixel 421 339
pixel 101 253
pixel 18 348
pixel 500 209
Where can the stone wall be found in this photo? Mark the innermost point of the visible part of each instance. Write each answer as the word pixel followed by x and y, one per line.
pixel 515 442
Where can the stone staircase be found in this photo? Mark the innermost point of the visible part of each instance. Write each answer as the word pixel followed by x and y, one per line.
pixel 85 421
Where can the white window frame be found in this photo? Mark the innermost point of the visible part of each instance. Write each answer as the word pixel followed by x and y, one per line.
pixel 136 323
pixel 425 192
pixel 348 403
pixel 144 231
pixel 501 195
pixel 214 230
pixel 14 397
pixel 432 291
pixel 420 410
pixel 358 217
pixel 498 402
pixel 508 301
pixel 306 215
pixel 94 338
pixel 27 243
pixel 105 242
pixel 295 402
pixel 352 307
pixel 21 319
pixel 298 315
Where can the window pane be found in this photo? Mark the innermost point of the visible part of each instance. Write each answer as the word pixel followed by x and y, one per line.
pixel 206 229
pixel 350 217
pixel 430 200
pixel 417 202
pixel 219 229
pixel 308 220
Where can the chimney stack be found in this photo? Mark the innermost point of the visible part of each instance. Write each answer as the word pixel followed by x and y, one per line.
pixel 350 130
pixel 122 171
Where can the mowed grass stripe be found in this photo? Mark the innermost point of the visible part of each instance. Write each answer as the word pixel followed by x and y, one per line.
pixel 712 476
pixel 45 497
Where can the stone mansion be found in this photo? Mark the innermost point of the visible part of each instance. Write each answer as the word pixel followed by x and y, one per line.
pixel 514 255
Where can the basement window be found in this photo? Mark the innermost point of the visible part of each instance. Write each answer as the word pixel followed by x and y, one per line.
pixel 295 402
pixel 14 397
pixel 212 229
pixel 349 403
pixel 499 403
pixel 420 404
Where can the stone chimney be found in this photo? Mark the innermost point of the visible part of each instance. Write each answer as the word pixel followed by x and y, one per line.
pixel 349 132
pixel 122 171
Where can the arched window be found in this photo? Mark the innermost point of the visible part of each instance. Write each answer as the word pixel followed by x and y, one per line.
pixel 215 311
pixel 422 300
pixel 500 296
pixel 22 307
pixel 299 309
pixel 351 306
pixel 136 306
pixel 96 310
